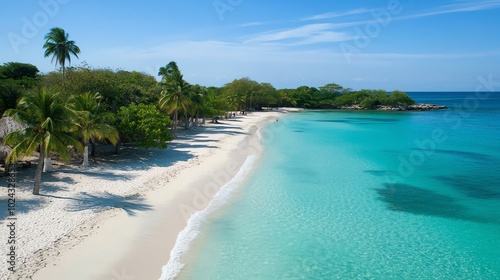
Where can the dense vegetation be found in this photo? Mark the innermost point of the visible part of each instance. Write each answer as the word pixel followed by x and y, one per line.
pixel 81 106
pixel 120 90
pixel 16 79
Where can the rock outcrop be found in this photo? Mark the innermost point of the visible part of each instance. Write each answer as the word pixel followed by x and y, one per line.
pixel 416 107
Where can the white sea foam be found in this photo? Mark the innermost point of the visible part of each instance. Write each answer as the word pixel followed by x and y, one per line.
pixel 174 266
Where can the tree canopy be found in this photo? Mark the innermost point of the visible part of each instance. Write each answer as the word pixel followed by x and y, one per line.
pixel 15 79
pixel 144 125
pixel 17 70
pixel 124 92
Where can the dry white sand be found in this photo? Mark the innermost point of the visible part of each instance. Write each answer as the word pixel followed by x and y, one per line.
pixel 119 219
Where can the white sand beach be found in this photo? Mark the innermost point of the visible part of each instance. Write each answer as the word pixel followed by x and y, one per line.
pixel 119 219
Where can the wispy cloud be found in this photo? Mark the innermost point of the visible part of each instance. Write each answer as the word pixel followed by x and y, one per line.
pixel 298 32
pixel 463 6
pixel 338 31
pixel 470 6
pixel 326 37
pixel 228 51
pixel 283 66
pixel 307 34
pixel 337 14
pixel 432 56
pixel 255 23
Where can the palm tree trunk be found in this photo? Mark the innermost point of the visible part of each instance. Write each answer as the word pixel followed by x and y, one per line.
pixel 186 121
pixel 64 72
pixel 196 119
pixel 38 174
pixel 85 155
pixel 117 147
pixel 92 144
pixel 47 164
pixel 174 127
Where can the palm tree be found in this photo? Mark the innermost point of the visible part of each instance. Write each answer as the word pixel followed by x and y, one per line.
pixel 175 97
pixel 60 47
pixel 165 72
pixel 92 122
pixel 197 100
pixel 235 102
pixel 48 123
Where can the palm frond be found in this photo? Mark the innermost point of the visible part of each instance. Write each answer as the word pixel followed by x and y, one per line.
pixel 90 119
pixel 49 122
pixel 59 46
pixel 23 142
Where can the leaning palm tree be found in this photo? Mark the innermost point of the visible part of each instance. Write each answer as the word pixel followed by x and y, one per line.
pixel 48 123
pixel 175 97
pixel 60 47
pixel 92 122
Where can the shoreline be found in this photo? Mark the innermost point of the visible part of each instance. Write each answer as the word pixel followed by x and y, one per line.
pixel 134 236
pixel 188 240
pixel 196 221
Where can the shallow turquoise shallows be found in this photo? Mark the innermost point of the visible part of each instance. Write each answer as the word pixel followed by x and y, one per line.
pixel 365 195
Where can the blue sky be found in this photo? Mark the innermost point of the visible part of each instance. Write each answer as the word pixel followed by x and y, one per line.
pixel 391 44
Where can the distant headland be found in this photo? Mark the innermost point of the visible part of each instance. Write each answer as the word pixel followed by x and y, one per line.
pixel 334 97
pixel 414 107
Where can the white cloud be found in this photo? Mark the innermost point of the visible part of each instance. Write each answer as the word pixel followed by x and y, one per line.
pixel 466 6
pixel 293 33
pixel 303 35
pixel 338 31
pixel 325 37
pixel 255 23
pixel 337 14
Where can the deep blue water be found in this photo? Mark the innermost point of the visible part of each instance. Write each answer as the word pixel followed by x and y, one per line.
pixel 366 195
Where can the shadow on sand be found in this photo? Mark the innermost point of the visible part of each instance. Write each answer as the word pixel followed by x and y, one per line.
pixel 129 158
pixel 104 201
pixel 22 206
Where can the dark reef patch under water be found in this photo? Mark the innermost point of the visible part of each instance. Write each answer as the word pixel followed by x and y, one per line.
pixel 420 201
pixel 486 188
pixel 469 155
pixel 360 120
pixel 385 120
pixel 332 121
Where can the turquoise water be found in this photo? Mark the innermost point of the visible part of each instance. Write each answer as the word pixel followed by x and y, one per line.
pixel 365 195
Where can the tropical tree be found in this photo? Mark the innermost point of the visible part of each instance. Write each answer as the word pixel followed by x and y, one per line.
pixel 58 45
pixel 286 98
pixel 197 101
pixel 175 96
pixel 145 125
pixel 92 123
pixel 166 72
pixel 400 98
pixel 48 123
pixel 15 79
pixel 215 103
pixel 117 87
pixel 17 71
pixel 266 95
pixel 242 92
